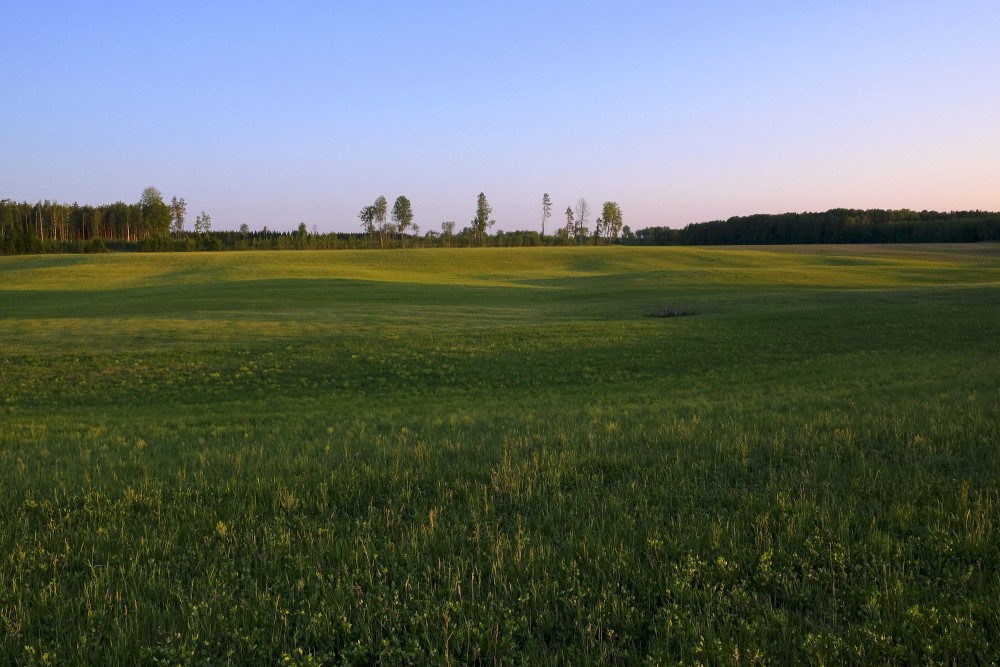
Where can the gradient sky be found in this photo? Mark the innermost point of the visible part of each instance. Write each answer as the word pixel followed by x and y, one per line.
pixel 279 113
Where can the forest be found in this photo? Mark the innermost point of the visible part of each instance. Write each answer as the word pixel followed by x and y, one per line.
pixel 839 225
pixel 153 224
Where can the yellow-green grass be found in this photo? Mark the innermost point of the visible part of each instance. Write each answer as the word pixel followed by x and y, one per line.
pixel 497 456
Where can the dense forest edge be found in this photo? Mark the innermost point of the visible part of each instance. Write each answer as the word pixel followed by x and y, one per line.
pixel 153 225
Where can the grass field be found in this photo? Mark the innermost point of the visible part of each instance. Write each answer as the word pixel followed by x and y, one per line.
pixel 498 457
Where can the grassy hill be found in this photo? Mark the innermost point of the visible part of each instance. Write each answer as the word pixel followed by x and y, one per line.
pixel 497 456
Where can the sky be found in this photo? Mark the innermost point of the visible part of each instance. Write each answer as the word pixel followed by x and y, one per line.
pixel 272 114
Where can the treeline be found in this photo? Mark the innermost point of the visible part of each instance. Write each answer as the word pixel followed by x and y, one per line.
pixel 151 224
pixel 840 225
pixel 52 227
pixel 48 226
pixel 305 240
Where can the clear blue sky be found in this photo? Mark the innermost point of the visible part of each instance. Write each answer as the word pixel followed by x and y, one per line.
pixel 279 113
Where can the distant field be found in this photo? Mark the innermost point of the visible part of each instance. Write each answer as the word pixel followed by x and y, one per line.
pixel 497 457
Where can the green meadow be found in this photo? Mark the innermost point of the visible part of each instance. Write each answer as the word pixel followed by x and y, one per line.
pixel 498 456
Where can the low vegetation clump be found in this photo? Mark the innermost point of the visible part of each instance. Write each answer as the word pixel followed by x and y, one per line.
pixel 671 311
pixel 495 457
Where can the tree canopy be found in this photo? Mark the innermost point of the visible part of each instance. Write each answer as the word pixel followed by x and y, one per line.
pixel 155 212
pixel 482 221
